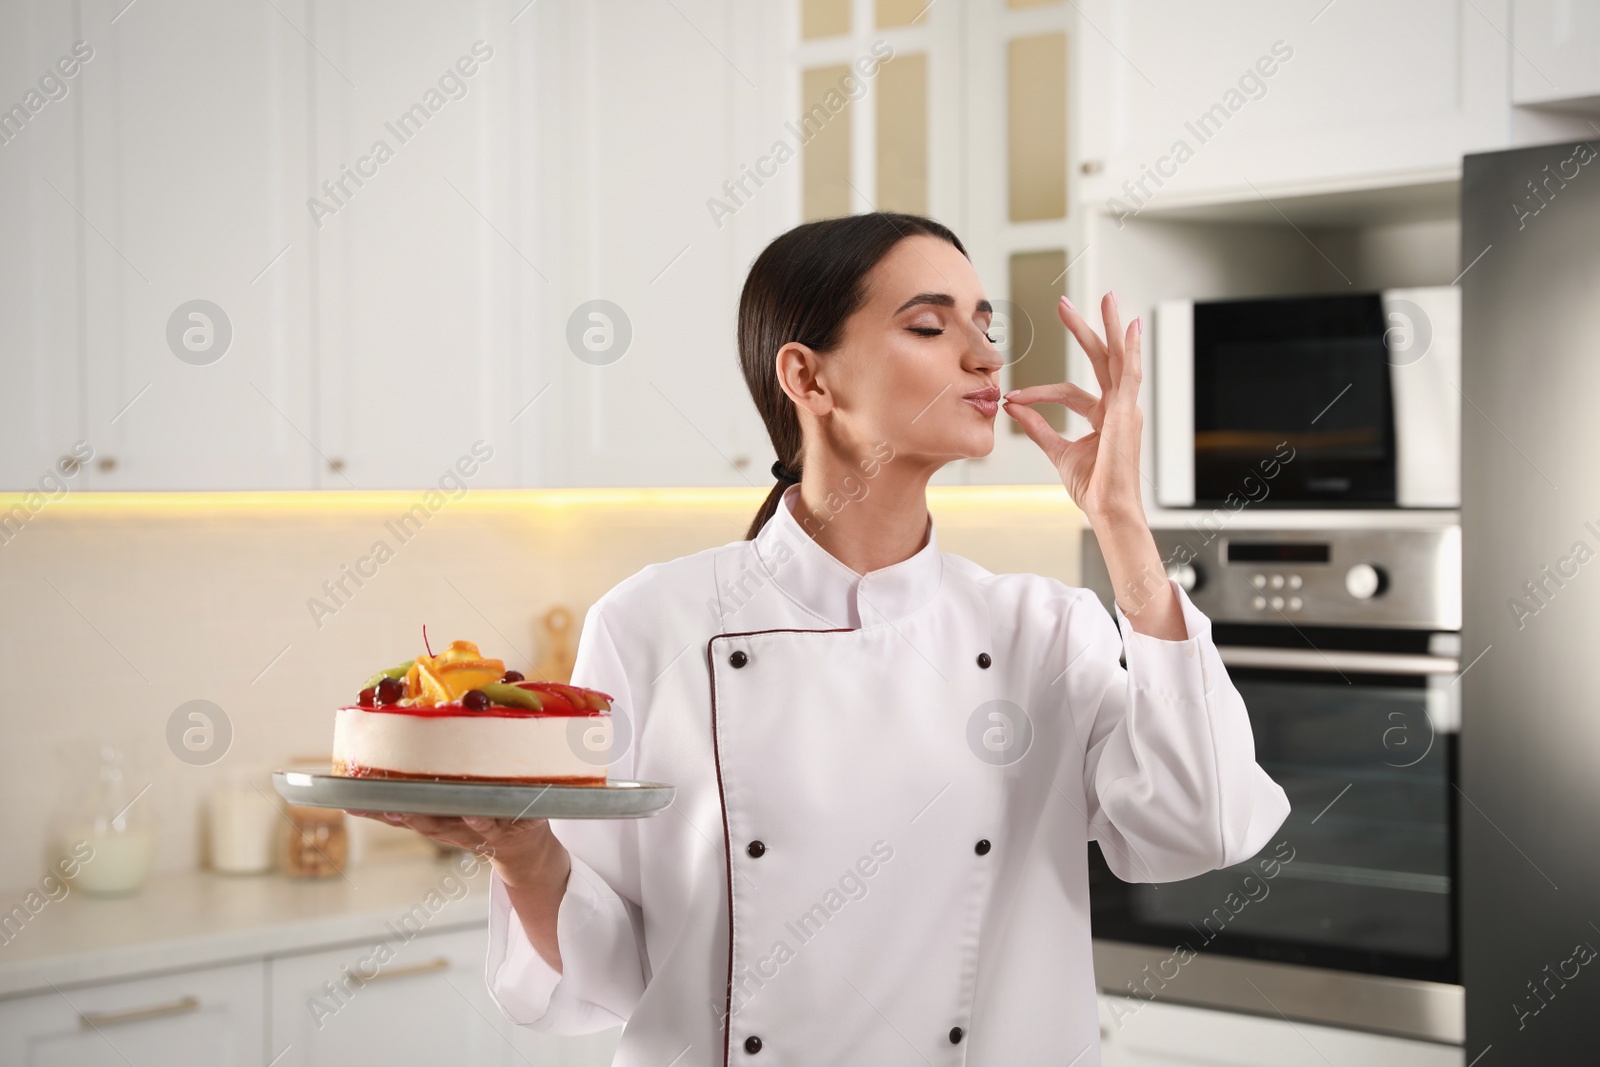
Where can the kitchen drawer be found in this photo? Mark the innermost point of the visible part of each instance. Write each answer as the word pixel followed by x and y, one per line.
pixel 424 1000
pixel 204 1018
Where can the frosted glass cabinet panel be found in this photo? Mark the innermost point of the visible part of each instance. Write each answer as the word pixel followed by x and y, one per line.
pixel 825 121
pixel 1036 346
pixel 1036 73
pixel 824 18
pixel 903 135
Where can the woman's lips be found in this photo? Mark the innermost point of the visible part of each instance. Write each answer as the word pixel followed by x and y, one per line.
pixel 985 400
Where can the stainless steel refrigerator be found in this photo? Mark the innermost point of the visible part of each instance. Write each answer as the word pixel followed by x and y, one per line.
pixel 1529 783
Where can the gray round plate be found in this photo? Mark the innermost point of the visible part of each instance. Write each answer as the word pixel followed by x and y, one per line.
pixel 617 799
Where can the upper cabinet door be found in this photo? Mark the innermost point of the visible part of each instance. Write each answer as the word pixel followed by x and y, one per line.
pixel 42 346
pixel 421 248
pixel 194 253
pixel 648 131
pixel 1557 56
pixel 1020 226
pixel 960 112
pixel 1182 102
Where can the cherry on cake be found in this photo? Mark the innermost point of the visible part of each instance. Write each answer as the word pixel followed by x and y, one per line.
pixel 459 716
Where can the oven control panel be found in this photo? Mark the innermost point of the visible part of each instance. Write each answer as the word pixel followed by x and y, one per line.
pixel 1371 576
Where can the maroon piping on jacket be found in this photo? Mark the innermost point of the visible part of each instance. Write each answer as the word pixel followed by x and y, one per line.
pixel 727 842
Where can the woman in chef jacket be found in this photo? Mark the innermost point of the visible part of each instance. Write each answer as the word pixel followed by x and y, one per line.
pixel 888 759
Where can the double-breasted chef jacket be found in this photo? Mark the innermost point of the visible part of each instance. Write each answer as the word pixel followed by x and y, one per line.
pixel 876 853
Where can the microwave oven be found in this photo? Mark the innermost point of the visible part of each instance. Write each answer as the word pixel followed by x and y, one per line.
pixel 1345 400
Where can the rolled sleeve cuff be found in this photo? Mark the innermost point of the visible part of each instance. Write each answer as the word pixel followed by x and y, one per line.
pixel 522 981
pixel 1179 667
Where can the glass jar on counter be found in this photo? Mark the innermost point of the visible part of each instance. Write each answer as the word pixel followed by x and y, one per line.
pixel 105 829
pixel 316 842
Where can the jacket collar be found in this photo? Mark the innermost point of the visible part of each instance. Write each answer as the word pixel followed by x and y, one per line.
pixel 824 586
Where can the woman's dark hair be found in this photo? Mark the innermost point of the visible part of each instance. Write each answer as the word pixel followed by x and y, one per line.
pixel 802 287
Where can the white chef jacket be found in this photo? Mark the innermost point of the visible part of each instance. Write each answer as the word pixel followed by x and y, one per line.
pixel 893 778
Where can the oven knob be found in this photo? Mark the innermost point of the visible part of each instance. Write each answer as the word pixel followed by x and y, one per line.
pixel 1187 575
pixel 1364 581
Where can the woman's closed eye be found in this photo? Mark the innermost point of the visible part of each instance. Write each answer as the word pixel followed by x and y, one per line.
pixel 935 331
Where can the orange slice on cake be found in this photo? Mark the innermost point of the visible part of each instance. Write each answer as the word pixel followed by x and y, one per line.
pixel 443 679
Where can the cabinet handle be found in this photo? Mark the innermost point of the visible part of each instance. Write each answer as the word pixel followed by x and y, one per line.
pixel 440 964
pixel 97 1019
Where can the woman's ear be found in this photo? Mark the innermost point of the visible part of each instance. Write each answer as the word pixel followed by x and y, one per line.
pixel 800 376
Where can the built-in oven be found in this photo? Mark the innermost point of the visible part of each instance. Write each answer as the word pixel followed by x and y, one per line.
pixel 1345 645
pixel 1353 395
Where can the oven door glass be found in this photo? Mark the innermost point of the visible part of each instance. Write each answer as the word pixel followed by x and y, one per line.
pixel 1309 373
pixel 1360 876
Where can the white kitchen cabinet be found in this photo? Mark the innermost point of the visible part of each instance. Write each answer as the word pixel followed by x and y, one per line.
pixel 192 188
pixel 1137 1033
pixel 424 249
pixel 441 297
pixel 1556 61
pixel 1300 97
pixel 204 1018
pixel 426 1003
pixel 635 118
pixel 388 314
pixel 41 347
pixel 458 285
pixel 988 39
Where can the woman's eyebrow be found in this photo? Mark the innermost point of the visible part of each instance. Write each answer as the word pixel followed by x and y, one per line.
pixel 942 300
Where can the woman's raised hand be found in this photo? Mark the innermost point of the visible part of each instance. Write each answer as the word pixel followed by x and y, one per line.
pixel 1100 469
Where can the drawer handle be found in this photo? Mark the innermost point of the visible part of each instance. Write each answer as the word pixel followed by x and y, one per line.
pixel 440 964
pixel 97 1019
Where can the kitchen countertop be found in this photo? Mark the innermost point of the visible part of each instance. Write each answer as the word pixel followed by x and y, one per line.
pixel 199 918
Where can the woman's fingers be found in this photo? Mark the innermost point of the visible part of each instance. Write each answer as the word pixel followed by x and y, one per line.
pixel 499 830
pixel 1038 430
pixel 1090 341
pixel 1114 346
pixel 452 831
pixel 1133 358
pixel 483 835
pixel 1073 396
pixel 433 825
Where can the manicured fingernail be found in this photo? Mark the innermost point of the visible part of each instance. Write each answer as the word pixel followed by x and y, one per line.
pixel 1068 304
pixel 1113 294
pixel 1013 393
pixel 1138 324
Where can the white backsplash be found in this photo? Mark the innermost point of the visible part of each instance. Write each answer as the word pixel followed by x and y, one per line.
pixel 113 613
